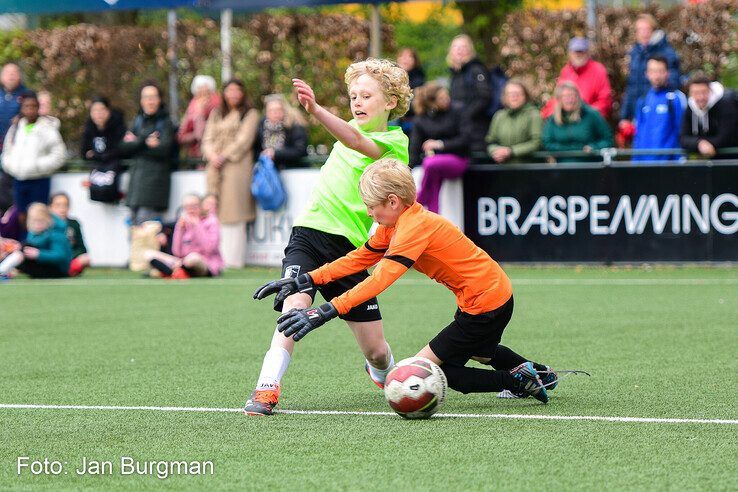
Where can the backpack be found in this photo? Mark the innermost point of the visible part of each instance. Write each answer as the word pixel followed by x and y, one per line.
pixel 496 80
pixel 266 185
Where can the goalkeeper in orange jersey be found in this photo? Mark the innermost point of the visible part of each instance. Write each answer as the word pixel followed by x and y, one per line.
pixel 410 236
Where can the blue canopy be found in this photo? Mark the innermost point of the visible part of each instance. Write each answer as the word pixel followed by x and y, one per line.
pixel 265 4
pixel 57 6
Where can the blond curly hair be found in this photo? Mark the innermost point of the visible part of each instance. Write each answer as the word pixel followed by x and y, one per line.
pixel 393 80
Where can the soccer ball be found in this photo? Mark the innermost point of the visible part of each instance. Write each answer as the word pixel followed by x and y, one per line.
pixel 415 388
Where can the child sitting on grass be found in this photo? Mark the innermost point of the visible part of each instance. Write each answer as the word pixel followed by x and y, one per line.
pixel 59 206
pixel 46 252
pixel 195 245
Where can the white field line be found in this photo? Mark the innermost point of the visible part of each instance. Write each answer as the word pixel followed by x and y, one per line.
pixel 598 418
pixel 628 282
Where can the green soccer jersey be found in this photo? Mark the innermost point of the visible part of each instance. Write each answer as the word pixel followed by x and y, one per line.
pixel 335 205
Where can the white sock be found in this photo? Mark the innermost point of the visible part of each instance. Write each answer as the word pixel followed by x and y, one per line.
pixel 11 261
pixel 381 374
pixel 273 368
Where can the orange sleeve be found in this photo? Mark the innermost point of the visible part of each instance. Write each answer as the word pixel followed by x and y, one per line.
pixel 405 247
pixel 356 261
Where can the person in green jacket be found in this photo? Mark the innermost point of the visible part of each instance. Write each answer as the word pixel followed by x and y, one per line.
pixel 149 145
pixel 574 126
pixel 46 252
pixel 515 132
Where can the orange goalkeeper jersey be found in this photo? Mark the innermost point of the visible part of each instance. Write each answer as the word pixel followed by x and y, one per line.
pixel 433 246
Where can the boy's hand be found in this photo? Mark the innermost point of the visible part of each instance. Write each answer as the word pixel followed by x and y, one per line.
pixel 305 95
pixel 299 322
pixel 285 287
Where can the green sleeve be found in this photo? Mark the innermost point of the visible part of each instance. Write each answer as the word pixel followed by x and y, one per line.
pixel 394 142
pixel 493 134
pixel 602 131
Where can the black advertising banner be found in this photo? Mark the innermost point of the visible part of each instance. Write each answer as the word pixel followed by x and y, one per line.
pixel 603 214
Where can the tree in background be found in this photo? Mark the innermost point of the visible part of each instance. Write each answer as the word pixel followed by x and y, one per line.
pixel 483 20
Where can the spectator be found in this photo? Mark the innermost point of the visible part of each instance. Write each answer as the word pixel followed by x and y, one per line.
pixel 11 227
pixel 228 148
pixel 46 107
pixel 658 113
pixel 59 206
pixel 281 135
pixel 439 142
pixel 205 98
pixel 45 252
pixel 103 133
pixel 149 145
pixel 470 89
pixel 515 132
pixel 709 122
pixel 210 205
pixel 32 151
pixel 589 76
pixel 194 245
pixel 649 42
pixel 575 126
pixel 407 59
pixel 11 88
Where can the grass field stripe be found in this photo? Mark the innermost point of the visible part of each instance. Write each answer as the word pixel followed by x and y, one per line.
pixel 20 406
pixel 627 282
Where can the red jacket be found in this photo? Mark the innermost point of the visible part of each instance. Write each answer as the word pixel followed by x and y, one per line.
pixel 593 83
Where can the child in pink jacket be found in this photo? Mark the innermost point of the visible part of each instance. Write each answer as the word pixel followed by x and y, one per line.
pixel 195 244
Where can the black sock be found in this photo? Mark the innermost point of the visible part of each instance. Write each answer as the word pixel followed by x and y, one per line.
pixel 505 359
pixel 190 271
pixel 161 266
pixel 473 380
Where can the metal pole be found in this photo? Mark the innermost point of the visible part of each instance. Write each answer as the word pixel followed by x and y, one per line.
pixel 375 33
pixel 172 55
pixel 226 22
pixel 592 20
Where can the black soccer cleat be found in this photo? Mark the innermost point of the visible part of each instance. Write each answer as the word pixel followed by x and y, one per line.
pixel 528 382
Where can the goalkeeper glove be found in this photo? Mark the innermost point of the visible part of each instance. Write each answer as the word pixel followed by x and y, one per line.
pixel 285 287
pixel 299 322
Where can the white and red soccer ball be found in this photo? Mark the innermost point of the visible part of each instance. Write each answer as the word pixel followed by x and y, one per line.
pixel 415 388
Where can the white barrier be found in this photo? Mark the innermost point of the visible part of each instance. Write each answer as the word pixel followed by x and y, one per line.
pixel 105 227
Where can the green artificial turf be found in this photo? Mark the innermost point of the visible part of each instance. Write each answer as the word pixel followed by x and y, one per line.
pixel 659 342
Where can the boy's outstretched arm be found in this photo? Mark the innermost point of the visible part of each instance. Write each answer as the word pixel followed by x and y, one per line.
pixel 341 130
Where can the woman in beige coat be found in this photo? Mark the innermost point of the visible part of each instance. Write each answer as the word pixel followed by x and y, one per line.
pixel 227 147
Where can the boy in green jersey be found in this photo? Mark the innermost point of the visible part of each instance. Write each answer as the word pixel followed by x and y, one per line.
pixel 335 221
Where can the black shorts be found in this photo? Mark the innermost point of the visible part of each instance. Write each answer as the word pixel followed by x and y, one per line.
pixel 309 249
pixel 471 335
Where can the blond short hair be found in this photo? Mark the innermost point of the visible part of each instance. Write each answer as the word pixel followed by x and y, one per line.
pixel 393 80
pixel 38 210
pixel 387 177
pixel 648 18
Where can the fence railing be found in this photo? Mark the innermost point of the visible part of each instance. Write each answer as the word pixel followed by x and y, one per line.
pixel 605 156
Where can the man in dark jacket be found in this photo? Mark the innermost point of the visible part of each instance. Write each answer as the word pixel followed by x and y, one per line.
pixel 11 89
pixel 470 90
pixel 709 122
pixel 650 42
